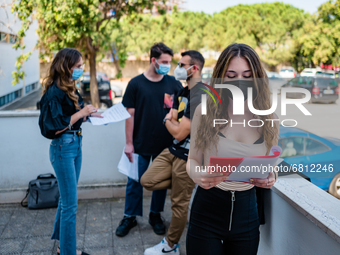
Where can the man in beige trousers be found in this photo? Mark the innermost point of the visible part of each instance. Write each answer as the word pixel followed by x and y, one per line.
pixel 168 170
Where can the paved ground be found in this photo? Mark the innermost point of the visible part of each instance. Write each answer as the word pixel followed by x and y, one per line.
pixel 323 121
pixel 24 231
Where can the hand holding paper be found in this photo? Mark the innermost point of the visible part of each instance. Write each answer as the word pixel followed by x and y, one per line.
pixel 245 168
pixel 128 168
pixel 114 114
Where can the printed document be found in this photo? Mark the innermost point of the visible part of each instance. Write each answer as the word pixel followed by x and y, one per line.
pixel 115 113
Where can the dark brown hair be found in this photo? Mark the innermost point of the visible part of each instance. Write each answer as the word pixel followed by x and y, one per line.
pixel 61 73
pixel 196 58
pixel 158 49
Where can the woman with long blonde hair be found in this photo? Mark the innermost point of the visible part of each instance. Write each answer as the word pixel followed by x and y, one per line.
pixel 224 217
pixel 61 115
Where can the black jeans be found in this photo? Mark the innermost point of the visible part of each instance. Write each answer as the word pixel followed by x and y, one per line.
pixel 219 226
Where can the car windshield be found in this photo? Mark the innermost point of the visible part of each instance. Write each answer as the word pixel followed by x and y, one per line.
pixel 325 82
pixel 286 70
pixel 292 147
pixel 298 81
pixel 328 74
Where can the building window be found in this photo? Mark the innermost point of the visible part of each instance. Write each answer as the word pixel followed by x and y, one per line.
pixel 3 37
pixel 12 39
pixel 10 97
pixel 31 87
pixel 8 38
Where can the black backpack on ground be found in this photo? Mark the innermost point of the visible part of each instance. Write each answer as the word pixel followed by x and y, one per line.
pixel 42 192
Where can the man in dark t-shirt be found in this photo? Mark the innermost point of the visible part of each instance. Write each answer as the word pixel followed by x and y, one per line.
pixel 148 98
pixel 168 170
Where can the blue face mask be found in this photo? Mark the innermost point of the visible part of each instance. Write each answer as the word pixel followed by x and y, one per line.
pixel 77 72
pixel 163 69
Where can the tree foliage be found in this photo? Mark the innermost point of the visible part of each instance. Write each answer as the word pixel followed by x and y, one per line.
pixel 269 28
pixel 280 33
pixel 320 39
pixel 80 24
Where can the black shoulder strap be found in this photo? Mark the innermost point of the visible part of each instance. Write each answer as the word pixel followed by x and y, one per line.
pixel 22 202
pixel 45 176
pixel 259 141
pixel 220 134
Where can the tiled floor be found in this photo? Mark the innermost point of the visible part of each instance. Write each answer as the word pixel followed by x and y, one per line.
pixel 24 231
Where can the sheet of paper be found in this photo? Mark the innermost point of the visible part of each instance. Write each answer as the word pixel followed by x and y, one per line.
pixel 128 168
pixel 256 167
pixel 115 113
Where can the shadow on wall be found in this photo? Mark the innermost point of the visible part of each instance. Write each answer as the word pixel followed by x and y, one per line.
pixel 131 69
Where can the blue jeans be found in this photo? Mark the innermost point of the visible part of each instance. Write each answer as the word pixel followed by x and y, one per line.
pixel 65 156
pixel 134 192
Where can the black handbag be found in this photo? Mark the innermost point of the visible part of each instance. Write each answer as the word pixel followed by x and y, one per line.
pixel 42 192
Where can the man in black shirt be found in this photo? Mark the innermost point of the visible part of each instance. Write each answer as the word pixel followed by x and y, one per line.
pixel 168 170
pixel 148 98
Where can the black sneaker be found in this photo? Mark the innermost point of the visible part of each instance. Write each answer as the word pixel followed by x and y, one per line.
pixel 157 224
pixel 125 225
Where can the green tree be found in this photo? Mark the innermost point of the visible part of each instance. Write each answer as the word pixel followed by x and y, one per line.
pixel 320 39
pixel 267 27
pixel 80 24
pixel 140 32
pixel 272 29
pixel 186 31
pixel 180 31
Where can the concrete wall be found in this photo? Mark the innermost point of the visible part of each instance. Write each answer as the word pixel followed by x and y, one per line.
pixel 24 154
pixel 8 55
pixel 300 219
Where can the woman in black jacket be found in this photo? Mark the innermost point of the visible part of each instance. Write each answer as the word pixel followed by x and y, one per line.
pixel 62 113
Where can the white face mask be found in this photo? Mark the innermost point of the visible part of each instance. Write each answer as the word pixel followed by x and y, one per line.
pixel 181 73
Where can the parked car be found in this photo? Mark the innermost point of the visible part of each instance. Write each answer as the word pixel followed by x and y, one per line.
pixel 329 74
pixel 288 72
pixel 275 81
pixel 311 72
pixel 107 92
pixel 316 157
pixel 322 89
pixel 206 74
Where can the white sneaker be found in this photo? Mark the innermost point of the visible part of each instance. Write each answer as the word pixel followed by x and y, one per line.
pixel 162 248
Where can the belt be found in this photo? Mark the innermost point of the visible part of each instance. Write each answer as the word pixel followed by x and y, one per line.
pixel 75 132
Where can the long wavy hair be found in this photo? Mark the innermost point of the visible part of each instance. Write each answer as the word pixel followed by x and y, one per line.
pixel 61 73
pixel 209 136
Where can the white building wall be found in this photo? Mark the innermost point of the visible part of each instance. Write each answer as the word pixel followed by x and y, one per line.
pixel 8 55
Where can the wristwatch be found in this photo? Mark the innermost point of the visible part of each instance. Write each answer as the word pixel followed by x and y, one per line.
pixel 165 120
